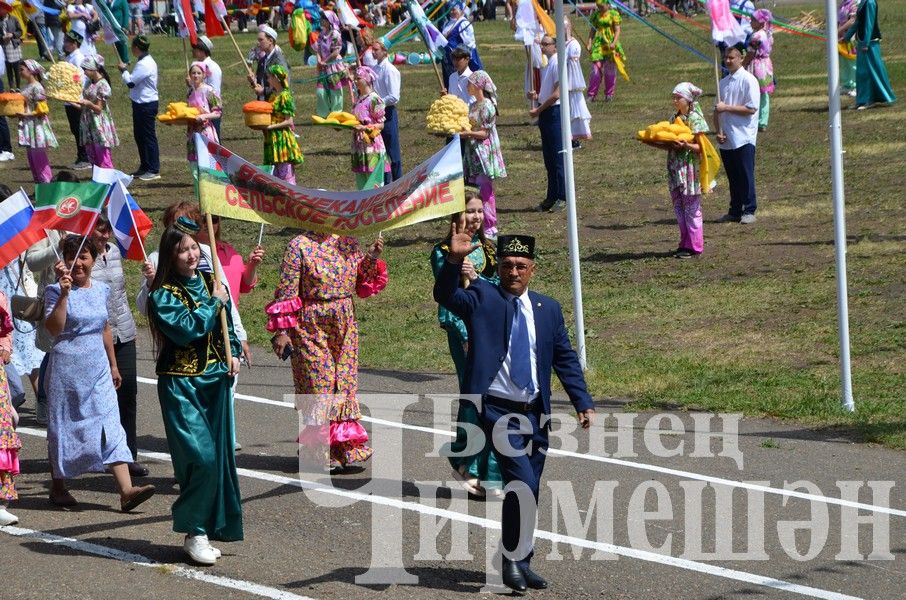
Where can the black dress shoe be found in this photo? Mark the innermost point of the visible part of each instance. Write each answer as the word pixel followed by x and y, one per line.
pixel 533 580
pixel 512 576
pixel 138 470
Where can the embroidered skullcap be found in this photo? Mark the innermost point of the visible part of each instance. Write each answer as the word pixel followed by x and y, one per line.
pixel 366 73
pixel 268 31
pixel 687 91
pixel 186 225
pixel 516 245
pixel 141 42
pixel 74 36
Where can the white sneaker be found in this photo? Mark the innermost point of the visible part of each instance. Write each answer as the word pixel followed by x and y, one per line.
pixel 5 156
pixel 7 518
pixel 199 549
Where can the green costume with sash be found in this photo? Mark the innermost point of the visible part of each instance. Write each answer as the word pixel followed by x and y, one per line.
pixel 194 389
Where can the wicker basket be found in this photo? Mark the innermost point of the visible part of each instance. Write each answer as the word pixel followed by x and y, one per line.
pixel 11 104
pixel 257 120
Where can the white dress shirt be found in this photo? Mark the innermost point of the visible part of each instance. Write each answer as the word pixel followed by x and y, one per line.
pixel 142 81
pixel 550 79
pixel 216 77
pixel 740 89
pixel 503 386
pixel 458 85
pixel 387 84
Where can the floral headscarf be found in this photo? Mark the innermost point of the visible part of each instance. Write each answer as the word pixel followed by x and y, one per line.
pixel 35 68
pixel 204 67
pixel 280 72
pixel 91 63
pixel 689 92
pixel 332 19
pixel 366 73
pixel 483 81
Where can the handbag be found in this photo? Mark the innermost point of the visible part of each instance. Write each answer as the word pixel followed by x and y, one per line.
pixel 23 306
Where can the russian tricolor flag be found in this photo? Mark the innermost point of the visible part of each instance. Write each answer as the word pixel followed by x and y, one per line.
pixel 16 233
pixel 130 225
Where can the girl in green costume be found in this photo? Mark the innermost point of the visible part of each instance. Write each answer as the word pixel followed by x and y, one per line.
pixel 280 146
pixel 194 387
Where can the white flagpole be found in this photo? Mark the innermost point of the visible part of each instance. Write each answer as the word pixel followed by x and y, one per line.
pixel 836 156
pixel 571 214
pixel 260 234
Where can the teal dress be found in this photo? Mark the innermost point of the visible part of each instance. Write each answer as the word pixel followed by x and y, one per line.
pixel 483 465
pixel 194 390
pixel 872 81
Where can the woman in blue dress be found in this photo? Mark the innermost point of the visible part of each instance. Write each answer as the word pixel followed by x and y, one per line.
pixel 478 471
pixel 84 434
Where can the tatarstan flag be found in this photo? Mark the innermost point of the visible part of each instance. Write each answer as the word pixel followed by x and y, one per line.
pixel 69 206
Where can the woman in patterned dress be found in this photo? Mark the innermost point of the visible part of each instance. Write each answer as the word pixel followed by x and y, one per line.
pixel 96 129
pixel 331 69
pixel 203 97
pixel 313 318
pixel 604 45
pixel 683 176
pixel 484 160
pixel 280 146
pixel 35 133
pixel 470 470
pixel 9 440
pixel 369 158
pixel 84 434
pixel 758 61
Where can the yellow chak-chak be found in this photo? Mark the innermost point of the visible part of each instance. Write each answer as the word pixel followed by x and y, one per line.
pixel 177 112
pixel 665 131
pixel 449 115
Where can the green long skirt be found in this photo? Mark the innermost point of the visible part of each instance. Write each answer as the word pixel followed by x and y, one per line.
pixel 198 418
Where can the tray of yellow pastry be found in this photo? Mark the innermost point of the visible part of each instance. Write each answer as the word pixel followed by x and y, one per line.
pixel 179 113
pixel 337 120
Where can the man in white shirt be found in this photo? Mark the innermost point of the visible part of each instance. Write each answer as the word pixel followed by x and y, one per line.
pixel 142 84
pixel 73 55
pixel 201 51
pixel 387 86
pixel 458 84
pixel 736 123
pixel 548 114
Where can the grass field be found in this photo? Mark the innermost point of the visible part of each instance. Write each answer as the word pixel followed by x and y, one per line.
pixel 749 326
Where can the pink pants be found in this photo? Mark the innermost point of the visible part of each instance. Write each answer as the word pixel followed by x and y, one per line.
pixel 486 191
pixel 39 164
pixel 285 172
pixel 610 78
pixel 688 211
pixel 99 155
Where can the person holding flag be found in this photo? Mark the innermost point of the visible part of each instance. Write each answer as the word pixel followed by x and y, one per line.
pixel 108 268
pixel 269 54
pixel 35 133
pixel 142 84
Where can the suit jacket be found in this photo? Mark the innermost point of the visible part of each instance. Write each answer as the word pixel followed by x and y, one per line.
pixel 276 58
pixel 488 315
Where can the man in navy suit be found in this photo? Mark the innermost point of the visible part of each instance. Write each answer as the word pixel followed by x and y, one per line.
pixel 516 337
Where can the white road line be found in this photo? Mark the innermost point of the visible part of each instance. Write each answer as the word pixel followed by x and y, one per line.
pixel 662 559
pixel 622 463
pixel 138 560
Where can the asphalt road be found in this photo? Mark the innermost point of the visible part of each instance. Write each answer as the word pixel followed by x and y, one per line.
pixel 642 507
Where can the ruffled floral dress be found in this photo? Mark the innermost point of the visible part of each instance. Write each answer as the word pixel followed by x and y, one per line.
pixel 206 100
pixel 35 131
pixel 331 75
pixel 369 158
pixel 761 66
pixel 683 165
pixel 280 145
pixel 9 439
pixel 605 26
pixel 98 128
pixel 484 156
pixel 313 305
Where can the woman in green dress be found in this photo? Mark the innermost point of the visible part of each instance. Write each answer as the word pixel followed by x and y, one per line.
pixel 478 471
pixel 194 387
pixel 607 54
pixel 872 81
pixel 280 146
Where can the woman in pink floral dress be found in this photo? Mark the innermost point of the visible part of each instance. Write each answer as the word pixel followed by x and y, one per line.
pixel 758 61
pixel 35 132
pixel 9 439
pixel 313 318
pixel 369 158
pixel 203 97
pixel 331 68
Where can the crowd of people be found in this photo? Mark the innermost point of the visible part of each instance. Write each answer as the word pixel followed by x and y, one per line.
pixel 79 354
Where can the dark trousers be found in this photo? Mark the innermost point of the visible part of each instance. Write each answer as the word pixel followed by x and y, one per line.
pixel 551 145
pixel 216 123
pixel 739 164
pixel 5 144
pixel 144 121
pixel 74 115
pixel 128 391
pixel 391 135
pixel 12 74
pixel 526 468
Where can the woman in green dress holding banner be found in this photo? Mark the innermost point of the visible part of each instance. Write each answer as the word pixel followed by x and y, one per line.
pixel 194 387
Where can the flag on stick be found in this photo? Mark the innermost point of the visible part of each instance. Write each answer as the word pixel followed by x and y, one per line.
pixel 130 225
pixel 68 206
pixel 724 28
pixel 430 34
pixel 17 233
pixel 185 21
pixel 214 11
